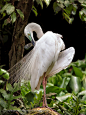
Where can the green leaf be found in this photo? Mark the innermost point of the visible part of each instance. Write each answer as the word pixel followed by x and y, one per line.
pixel 47 2
pixel 49 84
pixel 55 6
pixel 82 93
pixel 67 75
pixel 13 17
pixel 84 82
pixel 84 4
pixel 5 22
pixel 4 8
pixel 61 1
pixel 39 95
pixel 82 14
pixel 84 99
pixel 16 87
pixel 40 2
pixel 85 18
pixel 3 103
pixel 62 98
pixel 10 9
pixel 1 82
pixel 34 10
pixel 67 11
pixel 66 16
pixel 4 73
pixel 81 1
pixel 4 14
pixel 17 97
pixel 9 87
pixel 61 5
pixel 67 3
pixel 65 82
pixel 78 72
pixel 30 96
pixel 54 80
pixel 71 20
pixel 13 108
pixel 75 84
pixel 53 89
pixel 2 91
pixel 20 13
pixel 4 94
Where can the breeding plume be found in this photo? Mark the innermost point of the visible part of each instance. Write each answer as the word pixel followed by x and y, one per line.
pixel 45 60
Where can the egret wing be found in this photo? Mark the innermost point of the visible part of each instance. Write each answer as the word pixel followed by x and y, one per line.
pixel 19 70
pixel 63 61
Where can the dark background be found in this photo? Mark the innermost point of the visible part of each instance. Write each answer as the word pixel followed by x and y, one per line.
pixel 74 35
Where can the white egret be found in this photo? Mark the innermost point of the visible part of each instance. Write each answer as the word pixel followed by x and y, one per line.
pixel 44 60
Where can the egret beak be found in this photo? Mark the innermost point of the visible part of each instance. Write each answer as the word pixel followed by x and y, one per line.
pixel 30 38
pixel 33 43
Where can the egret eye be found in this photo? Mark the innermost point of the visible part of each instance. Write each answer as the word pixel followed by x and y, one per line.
pixel 29 34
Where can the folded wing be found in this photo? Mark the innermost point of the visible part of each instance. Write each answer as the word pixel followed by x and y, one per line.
pixel 64 59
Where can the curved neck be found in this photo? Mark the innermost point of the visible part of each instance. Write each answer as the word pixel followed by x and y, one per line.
pixel 33 27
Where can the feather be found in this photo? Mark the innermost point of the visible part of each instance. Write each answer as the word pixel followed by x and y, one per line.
pixel 63 61
pixel 45 58
pixel 40 60
pixel 18 71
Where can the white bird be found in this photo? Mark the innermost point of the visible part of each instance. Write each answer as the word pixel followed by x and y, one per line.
pixel 44 60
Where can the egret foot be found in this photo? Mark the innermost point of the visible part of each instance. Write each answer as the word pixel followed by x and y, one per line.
pixel 42 111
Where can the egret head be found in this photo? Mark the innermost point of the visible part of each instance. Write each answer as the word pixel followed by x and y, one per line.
pixel 28 33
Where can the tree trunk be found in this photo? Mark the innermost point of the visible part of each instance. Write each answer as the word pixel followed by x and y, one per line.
pixel 18 41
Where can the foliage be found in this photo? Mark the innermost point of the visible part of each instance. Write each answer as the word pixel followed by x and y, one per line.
pixel 10 10
pixel 68 8
pixel 65 91
pixel 30 99
pixel 7 97
pixel 71 101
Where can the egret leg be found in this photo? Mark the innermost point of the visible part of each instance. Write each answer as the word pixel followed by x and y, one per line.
pixel 44 87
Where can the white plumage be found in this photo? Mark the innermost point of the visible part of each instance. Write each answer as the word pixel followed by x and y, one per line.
pixel 44 60
pixel 45 54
